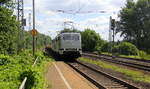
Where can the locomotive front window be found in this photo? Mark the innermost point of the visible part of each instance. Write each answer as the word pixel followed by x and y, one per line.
pixel 70 37
pixel 75 37
pixel 67 37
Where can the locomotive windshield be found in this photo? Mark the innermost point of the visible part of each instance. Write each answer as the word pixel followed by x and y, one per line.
pixel 71 37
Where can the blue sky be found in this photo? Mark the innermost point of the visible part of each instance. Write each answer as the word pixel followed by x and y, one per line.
pixel 50 22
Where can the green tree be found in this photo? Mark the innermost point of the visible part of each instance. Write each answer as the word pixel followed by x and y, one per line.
pixel 90 40
pixel 41 40
pixel 9 43
pixel 134 23
pixel 8 31
pixel 4 1
pixel 106 47
pixel 127 20
pixel 7 3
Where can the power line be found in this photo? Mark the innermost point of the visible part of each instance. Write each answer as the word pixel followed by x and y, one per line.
pixel 83 12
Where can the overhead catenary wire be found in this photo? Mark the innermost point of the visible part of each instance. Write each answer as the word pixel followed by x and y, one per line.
pixel 83 12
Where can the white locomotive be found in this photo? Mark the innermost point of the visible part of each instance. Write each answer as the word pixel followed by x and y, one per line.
pixel 68 44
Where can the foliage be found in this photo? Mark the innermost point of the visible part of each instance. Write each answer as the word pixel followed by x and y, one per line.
pixel 116 50
pixel 20 66
pixel 134 23
pixel 131 74
pixel 142 54
pixel 31 80
pixel 99 45
pixel 8 31
pixel 90 40
pixel 41 40
pixel 12 40
pixel 4 59
pixel 4 1
pixel 106 47
pixel 10 4
pixel 126 48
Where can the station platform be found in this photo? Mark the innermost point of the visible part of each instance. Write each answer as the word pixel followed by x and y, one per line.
pixel 62 76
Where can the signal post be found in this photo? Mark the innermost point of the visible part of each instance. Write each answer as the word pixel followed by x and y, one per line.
pixel 34 33
pixel 112 27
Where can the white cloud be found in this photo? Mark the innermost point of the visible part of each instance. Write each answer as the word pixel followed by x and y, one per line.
pixel 48 21
pixel 99 24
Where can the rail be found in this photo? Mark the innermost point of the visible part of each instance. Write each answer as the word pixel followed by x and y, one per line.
pixel 122 62
pixel 22 86
pixel 127 58
pixel 110 82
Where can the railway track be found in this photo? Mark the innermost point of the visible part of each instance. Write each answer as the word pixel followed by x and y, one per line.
pixel 125 58
pixel 131 63
pixel 98 77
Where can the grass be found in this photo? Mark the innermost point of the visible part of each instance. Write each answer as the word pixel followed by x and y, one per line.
pixel 106 53
pixel 146 57
pixel 13 69
pixel 131 74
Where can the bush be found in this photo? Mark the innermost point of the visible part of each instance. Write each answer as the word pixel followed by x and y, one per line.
pixel 14 68
pixel 106 47
pixel 31 80
pixel 142 54
pixel 4 59
pixel 115 49
pixel 99 52
pixel 126 48
pixel 39 54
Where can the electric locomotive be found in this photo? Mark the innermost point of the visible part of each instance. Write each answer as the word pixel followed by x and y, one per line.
pixel 67 44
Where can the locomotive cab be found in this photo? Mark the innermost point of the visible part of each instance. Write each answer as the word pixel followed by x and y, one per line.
pixel 70 44
pixel 67 44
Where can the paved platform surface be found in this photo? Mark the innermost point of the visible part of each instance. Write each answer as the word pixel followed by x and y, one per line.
pixel 62 76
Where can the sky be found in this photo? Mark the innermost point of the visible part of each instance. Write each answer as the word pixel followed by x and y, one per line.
pixel 49 21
